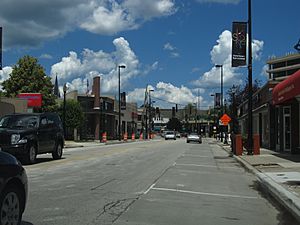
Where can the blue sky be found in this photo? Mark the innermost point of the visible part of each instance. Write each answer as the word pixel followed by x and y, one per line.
pixel 170 45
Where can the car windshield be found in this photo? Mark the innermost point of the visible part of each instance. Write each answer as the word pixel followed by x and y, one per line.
pixel 193 134
pixel 170 132
pixel 19 121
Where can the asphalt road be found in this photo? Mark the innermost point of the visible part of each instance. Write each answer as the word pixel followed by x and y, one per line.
pixel 146 183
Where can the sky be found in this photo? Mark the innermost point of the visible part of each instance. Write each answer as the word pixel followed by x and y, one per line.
pixel 170 45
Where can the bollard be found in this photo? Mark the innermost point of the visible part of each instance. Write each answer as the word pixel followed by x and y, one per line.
pixel 256 144
pixel 104 137
pixel 141 136
pixel 125 136
pixel 238 144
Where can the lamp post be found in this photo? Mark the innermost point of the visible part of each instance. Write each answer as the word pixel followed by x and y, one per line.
pixel 214 116
pixel 150 122
pixel 101 119
pixel 221 66
pixel 250 125
pixel 64 109
pixel 119 68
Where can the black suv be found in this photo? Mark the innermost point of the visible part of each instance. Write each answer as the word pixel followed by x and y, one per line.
pixel 26 135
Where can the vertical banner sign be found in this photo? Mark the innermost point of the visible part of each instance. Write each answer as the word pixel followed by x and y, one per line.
pixel 123 101
pixel 0 48
pixel 217 100
pixel 239 40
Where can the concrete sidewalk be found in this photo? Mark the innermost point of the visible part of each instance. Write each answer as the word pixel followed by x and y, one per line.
pixel 278 173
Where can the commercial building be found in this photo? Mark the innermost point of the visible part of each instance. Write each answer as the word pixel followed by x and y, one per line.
pixel 101 113
pixel 276 106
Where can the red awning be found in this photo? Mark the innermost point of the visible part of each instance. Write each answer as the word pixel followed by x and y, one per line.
pixel 287 89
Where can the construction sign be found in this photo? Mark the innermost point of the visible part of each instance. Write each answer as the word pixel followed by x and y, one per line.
pixel 225 119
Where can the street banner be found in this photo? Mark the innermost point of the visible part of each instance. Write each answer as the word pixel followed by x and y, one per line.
pixel 217 100
pixel 123 101
pixel 0 48
pixel 239 40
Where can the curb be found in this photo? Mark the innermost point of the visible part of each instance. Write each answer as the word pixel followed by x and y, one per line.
pixel 102 144
pixel 286 198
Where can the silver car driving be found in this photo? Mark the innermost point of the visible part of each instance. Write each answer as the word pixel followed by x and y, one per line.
pixel 193 137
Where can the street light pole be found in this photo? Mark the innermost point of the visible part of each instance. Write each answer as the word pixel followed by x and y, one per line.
pixel 150 122
pixel 221 66
pixel 119 68
pixel 64 109
pixel 250 128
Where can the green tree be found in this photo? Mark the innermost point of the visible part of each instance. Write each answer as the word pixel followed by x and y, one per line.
pixel 29 77
pixel 174 124
pixel 74 114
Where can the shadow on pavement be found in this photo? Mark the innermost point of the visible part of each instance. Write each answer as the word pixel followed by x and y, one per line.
pixel 288 156
pixel 26 223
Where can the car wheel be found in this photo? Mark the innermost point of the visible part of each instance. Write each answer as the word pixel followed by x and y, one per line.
pixel 58 151
pixel 31 155
pixel 187 141
pixel 10 206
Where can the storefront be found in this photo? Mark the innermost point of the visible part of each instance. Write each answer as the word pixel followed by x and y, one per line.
pixel 286 98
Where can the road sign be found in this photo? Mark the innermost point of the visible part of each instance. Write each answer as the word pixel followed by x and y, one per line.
pixel 225 119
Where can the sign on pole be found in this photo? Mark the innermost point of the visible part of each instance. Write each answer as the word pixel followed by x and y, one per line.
pixel 225 119
pixel 239 40
pixel 123 101
pixel 217 100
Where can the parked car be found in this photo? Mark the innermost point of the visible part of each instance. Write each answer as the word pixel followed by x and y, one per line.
pixel 13 189
pixel 26 135
pixel 193 137
pixel 170 135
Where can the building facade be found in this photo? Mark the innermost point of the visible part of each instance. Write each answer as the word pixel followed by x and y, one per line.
pixel 276 106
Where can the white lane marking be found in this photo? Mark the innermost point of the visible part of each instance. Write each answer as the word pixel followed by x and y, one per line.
pixel 151 187
pixel 204 193
pixel 221 167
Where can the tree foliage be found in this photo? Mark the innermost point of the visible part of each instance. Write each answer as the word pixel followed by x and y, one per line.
pixel 74 114
pixel 174 124
pixel 241 92
pixel 29 77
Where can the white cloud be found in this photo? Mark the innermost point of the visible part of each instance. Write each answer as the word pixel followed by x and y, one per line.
pixel 172 50
pixel 166 95
pixel 264 71
pixel 75 68
pixel 219 1
pixel 4 74
pixel 29 23
pixel 45 56
pixel 221 54
pixel 169 47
